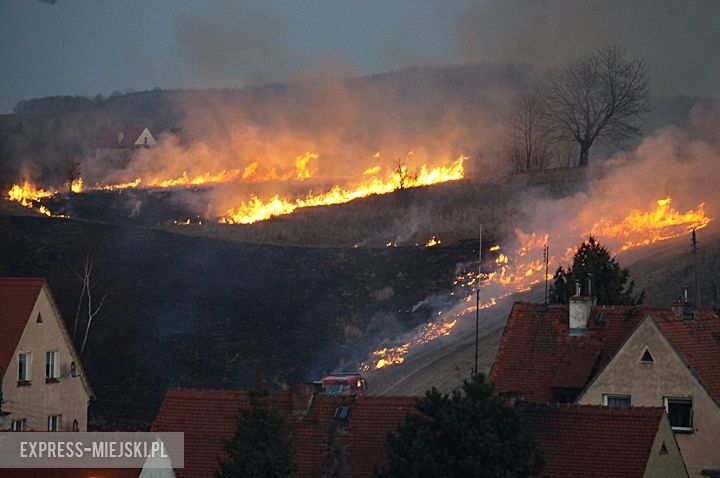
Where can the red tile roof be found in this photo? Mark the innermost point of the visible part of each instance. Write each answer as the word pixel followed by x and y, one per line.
pixel 698 342
pixel 537 353
pixel 593 441
pixel 207 418
pixel 69 473
pixel 17 300
pixel 130 135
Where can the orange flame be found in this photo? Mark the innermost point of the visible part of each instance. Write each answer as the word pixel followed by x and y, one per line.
pixel 256 209
pixel 641 228
pixel 525 267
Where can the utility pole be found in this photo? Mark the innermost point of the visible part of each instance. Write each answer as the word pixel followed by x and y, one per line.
pixel 695 266
pixel 477 302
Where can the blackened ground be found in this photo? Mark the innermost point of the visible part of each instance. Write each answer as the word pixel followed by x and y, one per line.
pixel 195 312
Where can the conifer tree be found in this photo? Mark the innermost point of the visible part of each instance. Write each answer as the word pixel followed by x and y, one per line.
pixel 592 262
pixel 260 445
pixel 471 432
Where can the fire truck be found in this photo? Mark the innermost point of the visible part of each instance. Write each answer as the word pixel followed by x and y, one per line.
pixel 351 383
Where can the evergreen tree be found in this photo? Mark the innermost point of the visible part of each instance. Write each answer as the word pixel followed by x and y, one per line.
pixel 609 281
pixel 260 446
pixel 467 433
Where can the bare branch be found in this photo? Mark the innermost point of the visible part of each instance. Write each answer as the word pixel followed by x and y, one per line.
pixel 598 97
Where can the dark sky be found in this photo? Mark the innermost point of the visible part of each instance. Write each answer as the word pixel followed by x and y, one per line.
pixel 89 46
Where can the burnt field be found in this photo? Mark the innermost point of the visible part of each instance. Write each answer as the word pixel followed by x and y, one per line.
pixel 451 212
pixel 196 312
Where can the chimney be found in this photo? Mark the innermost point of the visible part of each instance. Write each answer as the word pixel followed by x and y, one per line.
pixel 579 310
pixel 682 308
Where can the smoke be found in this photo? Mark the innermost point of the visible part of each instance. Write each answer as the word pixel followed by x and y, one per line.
pixel 417 116
pixel 678 42
pixel 230 41
pixel 670 162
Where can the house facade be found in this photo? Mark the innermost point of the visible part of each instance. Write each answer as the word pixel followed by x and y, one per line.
pixel 117 145
pixel 657 367
pixel 43 385
pixel 620 356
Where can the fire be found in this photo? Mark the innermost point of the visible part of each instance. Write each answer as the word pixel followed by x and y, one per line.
pixel 640 228
pixel 77 185
pixel 433 241
pixel 256 209
pixel 371 171
pixel 525 267
pixel 26 193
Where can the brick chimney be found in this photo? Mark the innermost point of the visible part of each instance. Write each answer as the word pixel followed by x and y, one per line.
pixel 579 310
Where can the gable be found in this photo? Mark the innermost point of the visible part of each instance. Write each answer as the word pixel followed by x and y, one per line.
pixel 646 382
pixel 19 312
pixel 18 297
pixel 538 356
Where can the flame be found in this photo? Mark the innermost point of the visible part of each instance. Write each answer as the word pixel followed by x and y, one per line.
pixel 640 228
pixel 26 193
pixel 433 241
pixel 77 185
pixel 256 209
pixel 371 171
pixel 525 267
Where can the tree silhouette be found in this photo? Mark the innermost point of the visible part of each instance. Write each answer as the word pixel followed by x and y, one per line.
pixel 467 433
pixel 593 262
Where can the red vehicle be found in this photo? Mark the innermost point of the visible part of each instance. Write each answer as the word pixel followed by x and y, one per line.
pixel 344 384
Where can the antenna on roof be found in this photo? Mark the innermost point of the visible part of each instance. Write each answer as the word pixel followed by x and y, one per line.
pixel 546 258
pixel 695 266
pixel 477 301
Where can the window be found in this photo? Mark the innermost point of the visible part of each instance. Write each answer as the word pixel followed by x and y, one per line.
pixel 647 357
pixel 76 426
pixel 17 425
pixel 342 412
pixel 73 373
pixel 621 401
pixel 680 413
pixel 39 318
pixel 54 423
pixel 52 366
pixel 24 367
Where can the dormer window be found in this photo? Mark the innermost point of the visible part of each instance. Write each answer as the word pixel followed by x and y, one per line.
pixel 647 358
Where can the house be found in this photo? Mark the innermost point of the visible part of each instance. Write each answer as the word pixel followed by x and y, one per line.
pixel 332 435
pixel 620 356
pixel 117 145
pixel 596 441
pixel 43 385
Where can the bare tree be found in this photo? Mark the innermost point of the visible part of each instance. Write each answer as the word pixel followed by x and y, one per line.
pixel 598 97
pixel 526 142
pixel 86 297
pixel 404 176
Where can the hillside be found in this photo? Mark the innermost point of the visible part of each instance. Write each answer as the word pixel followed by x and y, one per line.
pixel 663 271
pixel 196 312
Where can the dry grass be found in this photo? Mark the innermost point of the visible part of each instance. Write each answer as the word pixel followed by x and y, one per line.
pixel 451 212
